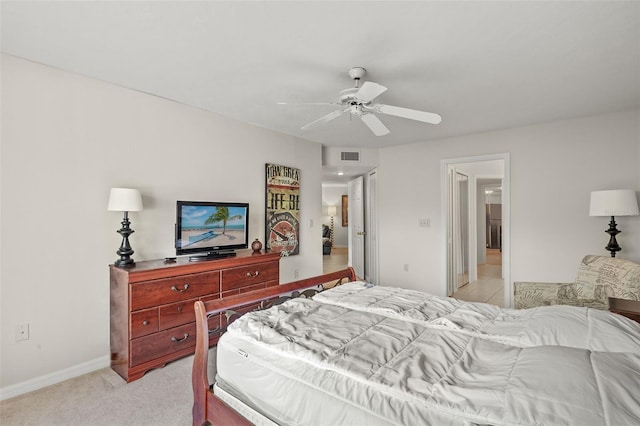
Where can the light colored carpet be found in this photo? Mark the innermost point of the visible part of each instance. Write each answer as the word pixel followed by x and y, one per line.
pixel 161 397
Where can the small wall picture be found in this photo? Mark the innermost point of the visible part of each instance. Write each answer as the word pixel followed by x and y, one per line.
pixel 345 210
pixel 282 218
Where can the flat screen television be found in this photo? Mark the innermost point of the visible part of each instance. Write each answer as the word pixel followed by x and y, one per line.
pixel 209 230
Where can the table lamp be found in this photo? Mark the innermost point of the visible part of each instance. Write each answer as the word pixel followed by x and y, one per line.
pixel 332 212
pixel 618 202
pixel 125 200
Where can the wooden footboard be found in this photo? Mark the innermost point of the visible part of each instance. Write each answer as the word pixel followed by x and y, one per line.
pixel 206 406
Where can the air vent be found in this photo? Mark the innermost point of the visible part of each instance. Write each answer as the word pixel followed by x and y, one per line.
pixel 350 156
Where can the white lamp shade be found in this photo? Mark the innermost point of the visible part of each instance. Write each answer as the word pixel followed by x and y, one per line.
pixel 332 210
pixel 125 200
pixel 618 202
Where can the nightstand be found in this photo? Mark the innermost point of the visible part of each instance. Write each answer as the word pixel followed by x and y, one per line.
pixel 625 307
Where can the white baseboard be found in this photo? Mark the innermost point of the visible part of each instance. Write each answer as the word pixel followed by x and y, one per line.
pixel 55 377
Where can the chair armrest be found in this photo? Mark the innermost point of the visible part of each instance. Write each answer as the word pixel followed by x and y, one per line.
pixel 532 294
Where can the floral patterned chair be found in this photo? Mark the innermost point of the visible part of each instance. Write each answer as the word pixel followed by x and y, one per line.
pixel 598 278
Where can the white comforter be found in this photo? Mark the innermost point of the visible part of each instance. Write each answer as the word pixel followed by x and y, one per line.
pixel 559 325
pixel 414 373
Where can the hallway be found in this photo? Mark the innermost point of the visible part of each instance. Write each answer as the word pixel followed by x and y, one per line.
pixel 336 261
pixel 489 288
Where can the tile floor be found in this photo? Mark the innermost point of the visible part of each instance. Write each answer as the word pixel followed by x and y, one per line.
pixel 489 288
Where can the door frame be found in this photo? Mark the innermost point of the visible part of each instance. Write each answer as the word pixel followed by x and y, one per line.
pixel 506 218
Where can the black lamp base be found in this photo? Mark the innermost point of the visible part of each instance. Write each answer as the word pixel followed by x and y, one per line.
pixel 125 251
pixel 613 246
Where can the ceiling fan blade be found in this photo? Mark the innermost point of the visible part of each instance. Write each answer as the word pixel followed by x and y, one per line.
pixel 374 123
pixel 369 91
pixel 324 119
pixel 411 114
pixel 306 103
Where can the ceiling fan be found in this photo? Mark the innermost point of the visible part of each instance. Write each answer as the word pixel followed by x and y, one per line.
pixel 359 102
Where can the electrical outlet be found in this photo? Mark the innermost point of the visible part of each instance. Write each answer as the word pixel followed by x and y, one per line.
pixel 424 222
pixel 22 332
pixel 406 267
pixel 296 274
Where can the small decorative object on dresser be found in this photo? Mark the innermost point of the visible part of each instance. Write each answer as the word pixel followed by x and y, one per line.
pixel 152 317
pixel 256 246
pixel 125 200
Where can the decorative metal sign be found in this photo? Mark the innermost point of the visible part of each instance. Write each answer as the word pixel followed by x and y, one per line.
pixel 282 221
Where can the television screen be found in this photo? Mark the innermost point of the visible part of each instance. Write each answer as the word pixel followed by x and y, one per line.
pixel 211 228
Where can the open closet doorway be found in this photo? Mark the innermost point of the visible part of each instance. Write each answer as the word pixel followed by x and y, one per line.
pixel 476 236
pixel 490 236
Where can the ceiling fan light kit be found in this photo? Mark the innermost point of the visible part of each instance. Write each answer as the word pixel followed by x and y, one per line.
pixel 358 101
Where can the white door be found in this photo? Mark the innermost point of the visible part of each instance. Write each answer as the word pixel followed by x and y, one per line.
pixel 371 238
pixel 461 229
pixel 356 230
pixel 450 188
pixel 457 230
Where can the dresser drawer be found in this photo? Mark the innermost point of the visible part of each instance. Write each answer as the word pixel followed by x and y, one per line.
pixel 154 346
pixel 177 314
pixel 249 275
pixel 144 322
pixel 168 290
pixel 246 289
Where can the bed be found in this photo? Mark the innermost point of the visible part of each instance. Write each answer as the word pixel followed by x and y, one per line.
pixel 364 355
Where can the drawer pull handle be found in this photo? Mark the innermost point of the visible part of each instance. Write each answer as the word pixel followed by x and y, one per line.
pixel 179 308
pixel 249 274
pixel 145 322
pixel 175 339
pixel 184 288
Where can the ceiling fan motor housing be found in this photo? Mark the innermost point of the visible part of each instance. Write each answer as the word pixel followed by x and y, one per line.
pixel 348 97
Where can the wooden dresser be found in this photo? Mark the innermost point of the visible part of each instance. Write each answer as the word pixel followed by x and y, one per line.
pixel 152 317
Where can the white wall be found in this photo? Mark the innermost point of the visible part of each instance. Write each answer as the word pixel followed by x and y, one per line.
pixel 66 140
pixel 554 168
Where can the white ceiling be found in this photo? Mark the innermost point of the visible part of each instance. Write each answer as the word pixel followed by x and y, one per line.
pixel 481 65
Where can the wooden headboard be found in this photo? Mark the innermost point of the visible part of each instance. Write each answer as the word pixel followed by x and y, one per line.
pixel 206 406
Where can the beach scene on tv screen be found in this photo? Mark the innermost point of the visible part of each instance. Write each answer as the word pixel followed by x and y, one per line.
pixel 207 226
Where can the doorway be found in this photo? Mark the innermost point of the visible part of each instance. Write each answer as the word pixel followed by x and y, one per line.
pixel 355 242
pixel 335 251
pixel 476 228
pixel 488 287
